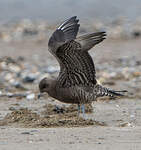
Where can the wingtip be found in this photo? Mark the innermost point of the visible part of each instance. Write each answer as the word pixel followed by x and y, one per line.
pixel 104 38
pixel 103 33
pixel 69 20
pixel 73 17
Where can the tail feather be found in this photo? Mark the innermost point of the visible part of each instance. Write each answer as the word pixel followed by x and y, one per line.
pixel 117 93
pixel 103 91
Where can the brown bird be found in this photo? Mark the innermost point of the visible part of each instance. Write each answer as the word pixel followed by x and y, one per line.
pixel 76 82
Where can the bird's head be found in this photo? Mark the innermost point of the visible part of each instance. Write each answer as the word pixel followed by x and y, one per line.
pixel 46 86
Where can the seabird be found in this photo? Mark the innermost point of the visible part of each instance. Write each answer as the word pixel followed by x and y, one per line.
pixel 76 83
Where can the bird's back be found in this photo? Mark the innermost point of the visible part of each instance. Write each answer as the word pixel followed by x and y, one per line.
pixel 78 65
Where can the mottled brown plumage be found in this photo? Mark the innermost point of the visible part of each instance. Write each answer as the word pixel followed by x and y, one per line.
pixel 76 82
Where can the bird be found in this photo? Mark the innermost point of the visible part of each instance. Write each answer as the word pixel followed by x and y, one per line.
pixel 76 82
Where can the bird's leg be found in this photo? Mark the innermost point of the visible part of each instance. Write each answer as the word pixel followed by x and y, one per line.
pixel 78 110
pixel 83 110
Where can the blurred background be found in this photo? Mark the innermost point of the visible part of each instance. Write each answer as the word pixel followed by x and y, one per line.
pixel 25 27
pixel 53 10
pixel 20 17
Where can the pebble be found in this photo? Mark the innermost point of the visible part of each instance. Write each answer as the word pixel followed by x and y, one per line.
pixel 34 131
pixel 30 96
pixel 8 76
pixel 52 69
pixel 28 133
pixel 29 78
pixel 12 108
pixel 15 94
pixel 14 68
pixel 59 109
pixel 16 84
pixel 10 94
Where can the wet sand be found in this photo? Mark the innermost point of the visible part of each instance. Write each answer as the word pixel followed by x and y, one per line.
pixel 99 138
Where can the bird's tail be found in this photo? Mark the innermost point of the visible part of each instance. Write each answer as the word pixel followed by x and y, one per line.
pixel 103 91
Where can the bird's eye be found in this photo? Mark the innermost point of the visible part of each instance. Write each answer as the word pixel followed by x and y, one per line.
pixel 44 86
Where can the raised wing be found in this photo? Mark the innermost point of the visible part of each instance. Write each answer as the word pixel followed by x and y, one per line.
pixel 77 67
pixel 66 32
pixel 90 40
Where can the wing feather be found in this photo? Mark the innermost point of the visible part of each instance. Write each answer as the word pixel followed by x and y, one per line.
pixel 90 40
pixel 76 65
pixel 67 31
